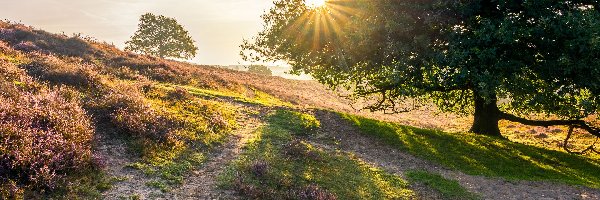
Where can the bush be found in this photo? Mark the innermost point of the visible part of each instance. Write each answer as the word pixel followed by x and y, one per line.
pixel 58 72
pixel 39 142
pixel 260 69
pixel 26 47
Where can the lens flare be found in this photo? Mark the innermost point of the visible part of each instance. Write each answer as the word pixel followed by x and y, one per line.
pixel 315 3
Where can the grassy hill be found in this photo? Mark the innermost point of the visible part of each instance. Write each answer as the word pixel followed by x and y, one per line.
pixel 81 119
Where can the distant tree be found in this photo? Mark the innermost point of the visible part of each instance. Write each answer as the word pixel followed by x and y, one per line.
pixel 260 69
pixel 463 55
pixel 163 37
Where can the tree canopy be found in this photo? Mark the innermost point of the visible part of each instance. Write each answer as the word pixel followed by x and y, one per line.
pixel 536 56
pixel 260 69
pixel 163 37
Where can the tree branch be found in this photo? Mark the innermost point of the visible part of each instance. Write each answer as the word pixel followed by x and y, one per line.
pixel 571 123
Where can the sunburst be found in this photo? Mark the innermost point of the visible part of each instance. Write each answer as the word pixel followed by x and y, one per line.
pixel 315 3
pixel 322 23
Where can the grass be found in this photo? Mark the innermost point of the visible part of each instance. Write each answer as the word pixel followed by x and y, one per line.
pixel 203 125
pixel 482 155
pixel 449 189
pixel 258 97
pixel 278 164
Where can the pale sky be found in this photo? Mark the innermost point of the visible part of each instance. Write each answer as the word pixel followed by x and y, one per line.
pixel 217 26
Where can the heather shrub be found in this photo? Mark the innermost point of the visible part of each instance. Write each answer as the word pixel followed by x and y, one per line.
pixel 126 73
pixel 14 81
pixel 75 46
pixel 8 54
pixel 314 192
pixel 125 106
pixel 26 47
pixel 142 120
pixel 7 34
pixel 56 71
pixel 259 169
pixel 179 94
pixel 39 142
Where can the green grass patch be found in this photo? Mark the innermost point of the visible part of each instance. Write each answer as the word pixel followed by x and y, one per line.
pixel 277 165
pixel 482 155
pixel 259 97
pixel 449 189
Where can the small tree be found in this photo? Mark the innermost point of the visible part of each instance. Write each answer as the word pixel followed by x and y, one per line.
pixel 163 37
pixel 260 69
pixel 538 56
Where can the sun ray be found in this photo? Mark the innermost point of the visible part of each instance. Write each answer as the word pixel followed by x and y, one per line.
pixel 315 3
pixel 319 28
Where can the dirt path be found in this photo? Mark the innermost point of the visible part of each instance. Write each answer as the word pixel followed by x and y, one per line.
pixel 199 184
pixel 378 154
pixel 202 183
pixel 116 155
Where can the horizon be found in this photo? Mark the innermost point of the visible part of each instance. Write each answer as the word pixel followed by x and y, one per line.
pixel 217 27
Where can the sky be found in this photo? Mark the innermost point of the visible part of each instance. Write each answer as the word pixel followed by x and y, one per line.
pixel 217 26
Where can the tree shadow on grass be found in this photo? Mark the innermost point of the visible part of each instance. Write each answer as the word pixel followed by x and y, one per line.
pixel 482 155
pixel 297 170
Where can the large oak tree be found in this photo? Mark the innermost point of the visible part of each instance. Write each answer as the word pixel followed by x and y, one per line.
pixel 539 56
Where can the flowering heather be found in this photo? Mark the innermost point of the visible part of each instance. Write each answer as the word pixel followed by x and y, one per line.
pixel 26 47
pixel 6 34
pixel 44 137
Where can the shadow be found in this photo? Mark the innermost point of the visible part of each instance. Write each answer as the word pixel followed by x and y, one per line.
pixel 482 155
pixel 297 170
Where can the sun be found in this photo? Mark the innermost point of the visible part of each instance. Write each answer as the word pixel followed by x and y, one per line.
pixel 315 3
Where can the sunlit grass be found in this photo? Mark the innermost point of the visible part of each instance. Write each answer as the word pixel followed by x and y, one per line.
pixel 481 155
pixel 258 97
pixel 203 125
pixel 277 165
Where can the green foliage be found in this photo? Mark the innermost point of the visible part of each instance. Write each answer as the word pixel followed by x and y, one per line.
pixel 483 155
pixel 538 56
pixel 275 165
pixel 260 69
pixel 162 36
pixel 448 188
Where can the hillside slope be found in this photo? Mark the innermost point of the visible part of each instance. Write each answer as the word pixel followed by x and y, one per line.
pixel 81 119
pixel 63 95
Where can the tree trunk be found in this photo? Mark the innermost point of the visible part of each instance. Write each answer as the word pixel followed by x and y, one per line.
pixel 486 117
